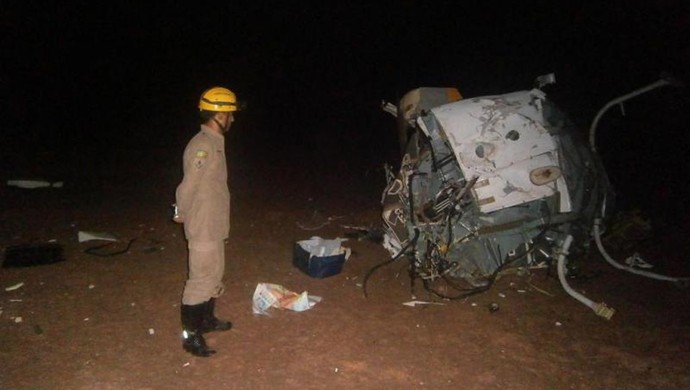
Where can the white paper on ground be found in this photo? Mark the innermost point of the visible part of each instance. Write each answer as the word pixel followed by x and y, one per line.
pixel 269 295
pixel 317 246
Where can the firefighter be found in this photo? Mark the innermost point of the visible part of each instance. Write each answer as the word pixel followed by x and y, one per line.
pixel 203 206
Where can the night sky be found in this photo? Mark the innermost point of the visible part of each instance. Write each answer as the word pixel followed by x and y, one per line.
pixel 94 76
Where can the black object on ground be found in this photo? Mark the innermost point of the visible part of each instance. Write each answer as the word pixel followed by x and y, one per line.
pixel 32 255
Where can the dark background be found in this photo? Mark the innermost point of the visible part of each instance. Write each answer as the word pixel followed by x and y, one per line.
pixel 80 80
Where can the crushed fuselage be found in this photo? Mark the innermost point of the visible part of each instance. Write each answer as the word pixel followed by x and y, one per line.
pixel 485 183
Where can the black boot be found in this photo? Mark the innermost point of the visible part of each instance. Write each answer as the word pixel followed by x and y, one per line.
pixel 211 323
pixel 192 338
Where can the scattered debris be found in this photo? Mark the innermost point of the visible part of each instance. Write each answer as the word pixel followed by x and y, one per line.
pixel 558 323
pixel 415 303
pixel 14 287
pixel 540 290
pixel 18 319
pixel 493 307
pixel 151 331
pixel 501 295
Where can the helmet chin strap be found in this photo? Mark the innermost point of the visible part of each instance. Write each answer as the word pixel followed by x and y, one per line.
pixel 223 129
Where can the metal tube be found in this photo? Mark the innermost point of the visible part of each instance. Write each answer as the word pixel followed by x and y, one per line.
pixel 619 100
pixel 599 308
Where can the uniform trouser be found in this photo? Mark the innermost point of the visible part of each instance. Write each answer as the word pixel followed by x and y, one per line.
pixel 206 268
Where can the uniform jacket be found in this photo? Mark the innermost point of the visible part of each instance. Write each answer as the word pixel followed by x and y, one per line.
pixel 203 197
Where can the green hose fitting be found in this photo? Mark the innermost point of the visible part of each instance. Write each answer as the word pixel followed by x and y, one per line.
pixel 604 311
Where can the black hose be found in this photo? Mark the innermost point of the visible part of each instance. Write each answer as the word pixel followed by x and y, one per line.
pixel 409 245
pixel 479 289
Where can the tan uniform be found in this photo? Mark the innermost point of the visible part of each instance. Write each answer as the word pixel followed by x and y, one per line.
pixel 203 200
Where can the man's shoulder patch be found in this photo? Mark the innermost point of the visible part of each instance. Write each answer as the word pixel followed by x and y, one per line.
pixel 201 154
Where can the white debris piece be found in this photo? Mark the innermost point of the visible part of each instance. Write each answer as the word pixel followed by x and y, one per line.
pixel 18 319
pixel 88 236
pixel 14 287
pixel 415 303
pixel 151 331
pixel 636 261
pixel 32 184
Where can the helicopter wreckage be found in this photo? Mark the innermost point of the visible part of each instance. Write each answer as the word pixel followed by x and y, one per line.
pixel 493 182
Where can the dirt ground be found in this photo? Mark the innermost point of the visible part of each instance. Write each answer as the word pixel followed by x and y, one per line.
pixel 94 322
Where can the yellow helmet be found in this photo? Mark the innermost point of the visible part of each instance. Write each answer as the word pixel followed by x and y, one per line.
pixel 218 99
